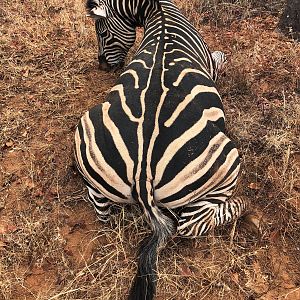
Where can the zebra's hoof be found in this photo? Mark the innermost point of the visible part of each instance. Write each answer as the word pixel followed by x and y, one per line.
pixel 103 219
pixel 252 222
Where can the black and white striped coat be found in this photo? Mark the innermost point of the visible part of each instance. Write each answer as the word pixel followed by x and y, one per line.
pixel 159 138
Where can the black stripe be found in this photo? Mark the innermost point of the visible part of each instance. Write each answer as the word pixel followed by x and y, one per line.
pixel 91 171
pixel 188 189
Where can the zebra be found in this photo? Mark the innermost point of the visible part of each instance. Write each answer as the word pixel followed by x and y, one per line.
pixel 159 139
pixel 219 60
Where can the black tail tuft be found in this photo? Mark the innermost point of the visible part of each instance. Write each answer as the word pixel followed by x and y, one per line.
pixel 163 227
pixel 144 285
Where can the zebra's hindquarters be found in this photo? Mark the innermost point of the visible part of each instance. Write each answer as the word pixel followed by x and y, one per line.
pixel 98 159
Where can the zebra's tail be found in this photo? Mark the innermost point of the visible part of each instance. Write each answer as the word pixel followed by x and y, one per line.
pixel 144 285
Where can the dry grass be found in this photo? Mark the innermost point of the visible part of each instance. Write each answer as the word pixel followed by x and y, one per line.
pixel 51 244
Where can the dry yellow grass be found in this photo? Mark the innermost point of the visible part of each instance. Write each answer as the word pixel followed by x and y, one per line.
pixel 51 244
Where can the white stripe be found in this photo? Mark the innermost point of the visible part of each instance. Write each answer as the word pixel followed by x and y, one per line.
pixel 211 183
pixel 196 168
pixel 134 75
pixel 182 59
pixel 96 185
pixel 140 62
pixel 97 161
pixel 156 124
pixel 213 114
pixel 118 140
pixel 140 134
pixel 119 88
pixel 198 89
pixel 186 71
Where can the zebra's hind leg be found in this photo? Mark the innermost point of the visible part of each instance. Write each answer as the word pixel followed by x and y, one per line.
pixel 101 204
pixel 200 216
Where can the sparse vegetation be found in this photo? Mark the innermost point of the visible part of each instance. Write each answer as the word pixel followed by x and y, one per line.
pixel 51 244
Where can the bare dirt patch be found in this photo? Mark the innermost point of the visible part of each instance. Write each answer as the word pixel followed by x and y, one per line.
pixel 51 244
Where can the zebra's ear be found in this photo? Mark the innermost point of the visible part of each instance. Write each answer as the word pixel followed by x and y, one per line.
pixel 97 13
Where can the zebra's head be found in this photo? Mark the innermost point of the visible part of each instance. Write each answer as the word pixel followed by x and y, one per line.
pixel 115 33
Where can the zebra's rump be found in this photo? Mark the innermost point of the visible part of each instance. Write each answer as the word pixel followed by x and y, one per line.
pixel 200 162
